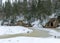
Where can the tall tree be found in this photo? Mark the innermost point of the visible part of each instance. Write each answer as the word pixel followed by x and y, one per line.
pixel 19 6
pixel 25 6
pixel 43 8
pixel 7 9
pixel 25 9
pixel 33 9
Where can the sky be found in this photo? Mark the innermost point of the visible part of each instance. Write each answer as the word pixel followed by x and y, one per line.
pixel 3 1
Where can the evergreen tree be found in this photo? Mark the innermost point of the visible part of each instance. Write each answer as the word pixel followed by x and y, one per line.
pixel 33 9
pixel 25 11
pixel 7 9
pixel 15 8
pixel 43 9
pixel 19 7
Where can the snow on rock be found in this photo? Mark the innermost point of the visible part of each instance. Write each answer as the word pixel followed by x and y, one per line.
pixel 21 17
pixel 39 24
pixel 13 30
pixel 45 21
pixel 29 40
pixel 53 15
pixel 36 23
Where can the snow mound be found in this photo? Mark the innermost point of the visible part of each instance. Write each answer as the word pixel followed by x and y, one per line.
pixel 29 40
pixel 13 30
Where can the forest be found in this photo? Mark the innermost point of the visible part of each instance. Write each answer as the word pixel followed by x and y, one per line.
pixel 31 10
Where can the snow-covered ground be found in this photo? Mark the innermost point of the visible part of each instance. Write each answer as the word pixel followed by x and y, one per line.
pixel 13 30
pixel 29 40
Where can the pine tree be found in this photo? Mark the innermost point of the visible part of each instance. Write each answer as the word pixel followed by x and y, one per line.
pixel 33 9
pixel 40 9
pixel 43 9
pixel 7 9
pixel 25 9
pixel 19 7
pixel 25 6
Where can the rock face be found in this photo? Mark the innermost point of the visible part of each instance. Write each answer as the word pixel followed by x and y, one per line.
pixel 21 23
pixel 53 23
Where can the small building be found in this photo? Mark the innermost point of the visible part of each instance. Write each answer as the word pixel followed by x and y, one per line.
pixel 53 23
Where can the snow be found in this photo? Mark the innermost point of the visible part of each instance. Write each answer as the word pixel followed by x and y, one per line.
pixel 20 18
pixel 58 27
pixel 45 21
pixel 36 23
pixel 53 15
pixel 13 30
pixel 29 40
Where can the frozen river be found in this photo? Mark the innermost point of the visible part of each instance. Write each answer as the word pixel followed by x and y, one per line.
pixel 35 33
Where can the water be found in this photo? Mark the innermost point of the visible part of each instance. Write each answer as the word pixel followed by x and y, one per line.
pixel 35 33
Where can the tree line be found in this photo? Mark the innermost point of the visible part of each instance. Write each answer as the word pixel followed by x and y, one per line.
pixel 35 9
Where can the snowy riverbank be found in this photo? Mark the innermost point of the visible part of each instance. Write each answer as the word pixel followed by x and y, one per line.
pixel 4 30
pixel 7 30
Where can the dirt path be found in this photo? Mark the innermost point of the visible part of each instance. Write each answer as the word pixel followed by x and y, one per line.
pixel 35 33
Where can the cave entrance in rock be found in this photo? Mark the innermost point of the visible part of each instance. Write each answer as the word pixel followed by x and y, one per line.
pixel 51 23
